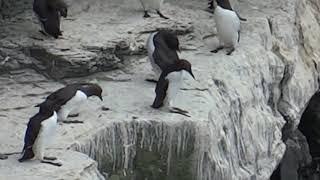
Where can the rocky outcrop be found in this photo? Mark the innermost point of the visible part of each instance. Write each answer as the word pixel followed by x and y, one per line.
pixel 75 166
pixel 90 43
pixel 243 107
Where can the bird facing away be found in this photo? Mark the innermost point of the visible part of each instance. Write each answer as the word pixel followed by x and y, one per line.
pixel 225 4
pixel 228 28
pixel 40 131
pixel 49 13
pixel 70 97
pixel 162 47
pixel 152 5
pixel 169 84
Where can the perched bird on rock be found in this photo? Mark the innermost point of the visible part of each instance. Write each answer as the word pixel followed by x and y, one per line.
pixel 228 28
pixel 40 131
pixel 225 4
pixel 49 13
pixel 170 83
pixel 70 97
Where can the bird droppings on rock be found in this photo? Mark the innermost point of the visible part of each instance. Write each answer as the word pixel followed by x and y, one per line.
pixel 265 84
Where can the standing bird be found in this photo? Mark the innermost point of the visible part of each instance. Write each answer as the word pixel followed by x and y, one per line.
pixel 169 84
pixel 162 49
pixel 152 5
pixel 226 5
pixel 40 131
pixel 49 13
pixel 228 27
pixel 71 97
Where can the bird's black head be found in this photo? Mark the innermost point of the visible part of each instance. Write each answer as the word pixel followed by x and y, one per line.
pixel 171 39
pixel 225 4
pixel 93 90
pixel 185 65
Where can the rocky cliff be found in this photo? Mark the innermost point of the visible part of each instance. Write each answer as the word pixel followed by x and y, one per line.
pixel 243 107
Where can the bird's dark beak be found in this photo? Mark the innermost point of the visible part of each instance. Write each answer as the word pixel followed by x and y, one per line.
pixel 100 97
pixel 192 75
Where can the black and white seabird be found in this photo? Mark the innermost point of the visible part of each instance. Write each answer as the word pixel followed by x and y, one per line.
pixel 40 131
pixel 49 13
pixel 170 83
pixel 228 28
pixel 162 49
pixel 70 97
pixel 225 4
pixel 152 5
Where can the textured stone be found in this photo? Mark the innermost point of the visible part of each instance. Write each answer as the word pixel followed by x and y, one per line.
pixel 242 106
pixel 74 166
pixel 92 41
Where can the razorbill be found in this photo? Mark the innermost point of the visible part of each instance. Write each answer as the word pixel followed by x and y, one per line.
pixel 49 13
pixel 162 47
pixel 70 97
pixel 169 84
pixel 226 5
pixel 152 5
pixel 228 28
pixel 40 131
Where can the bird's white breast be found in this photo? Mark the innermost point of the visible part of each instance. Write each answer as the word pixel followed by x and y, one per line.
pixel 72 104
pixel 150 48
pixel 228 25
pixel 46 133
pixel 175 81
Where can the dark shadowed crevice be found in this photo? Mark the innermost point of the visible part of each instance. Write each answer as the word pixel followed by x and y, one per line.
pixel 301 159
pixel 310 128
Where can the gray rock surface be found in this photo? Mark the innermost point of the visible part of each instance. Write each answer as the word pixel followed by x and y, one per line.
pixel 96 36
pixel 238 104
pixel 75 166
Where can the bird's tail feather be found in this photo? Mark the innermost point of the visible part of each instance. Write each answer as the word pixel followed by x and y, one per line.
pixel 26 154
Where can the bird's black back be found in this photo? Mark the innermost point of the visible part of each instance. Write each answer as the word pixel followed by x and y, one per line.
pixel 63 95
pixel 166 46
